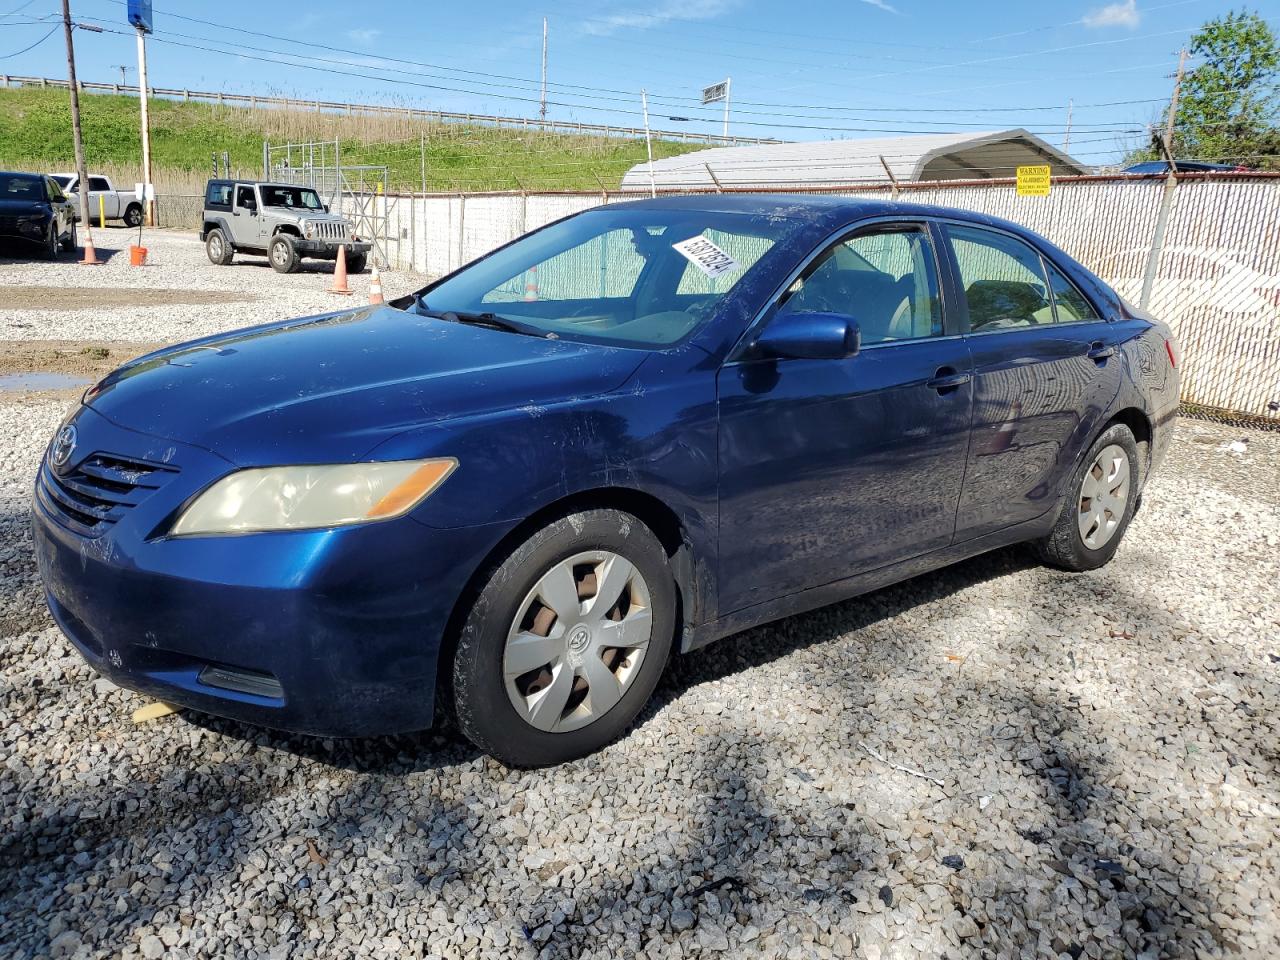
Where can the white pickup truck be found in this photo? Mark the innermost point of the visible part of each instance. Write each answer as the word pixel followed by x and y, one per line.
pixel 116 204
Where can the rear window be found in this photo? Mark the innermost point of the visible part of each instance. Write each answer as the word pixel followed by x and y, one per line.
pixel 219 195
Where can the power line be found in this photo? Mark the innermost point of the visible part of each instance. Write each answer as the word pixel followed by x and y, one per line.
pixel 10 56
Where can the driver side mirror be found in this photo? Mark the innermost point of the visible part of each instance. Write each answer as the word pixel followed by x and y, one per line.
pixel 810 336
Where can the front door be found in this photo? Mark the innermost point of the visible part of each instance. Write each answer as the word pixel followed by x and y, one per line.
pixel 1046 369
pixel 832 467
pixel 244 217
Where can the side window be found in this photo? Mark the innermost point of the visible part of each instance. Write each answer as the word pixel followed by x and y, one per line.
pixel 1072 305
pixel 244 197
pixel 219 195
pixel 887 280
pixel 1003 279
pixel 98 184
pixel 54 191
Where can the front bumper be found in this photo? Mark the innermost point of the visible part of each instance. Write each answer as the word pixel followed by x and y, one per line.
pixel 328 249
pixel 327 632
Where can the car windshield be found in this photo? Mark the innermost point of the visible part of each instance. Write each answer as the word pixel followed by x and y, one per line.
pixel 21 186
pixel 62 180
pixel 639 277
pixel 297 197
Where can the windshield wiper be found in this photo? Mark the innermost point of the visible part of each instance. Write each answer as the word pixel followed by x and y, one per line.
pixel 484 319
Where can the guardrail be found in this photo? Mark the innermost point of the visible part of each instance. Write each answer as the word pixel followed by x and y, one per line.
pixel 369 109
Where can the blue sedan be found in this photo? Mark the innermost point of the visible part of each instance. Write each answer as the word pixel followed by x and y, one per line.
pixel 513 496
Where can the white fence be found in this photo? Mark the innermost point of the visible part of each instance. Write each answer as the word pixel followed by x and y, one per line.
pixel 1218 283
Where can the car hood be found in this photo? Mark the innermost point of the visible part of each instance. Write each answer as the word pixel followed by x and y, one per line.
pixel 21 208
pixel 331 388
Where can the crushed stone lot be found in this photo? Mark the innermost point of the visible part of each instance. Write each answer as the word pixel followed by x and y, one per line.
pixel 1104 748
pixel 178 295
pixel 995 760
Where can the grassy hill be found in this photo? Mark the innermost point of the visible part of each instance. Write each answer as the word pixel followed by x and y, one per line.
pixel 35 133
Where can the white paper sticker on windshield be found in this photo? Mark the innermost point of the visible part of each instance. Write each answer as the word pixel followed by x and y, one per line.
pixel 706 256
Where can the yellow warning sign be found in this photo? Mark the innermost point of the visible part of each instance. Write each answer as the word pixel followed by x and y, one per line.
pixel 1033 181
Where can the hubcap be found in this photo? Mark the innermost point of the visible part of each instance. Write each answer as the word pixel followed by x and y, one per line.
pixel 280 255
pixel 577 641
pixel 1104 496
pixel 216 246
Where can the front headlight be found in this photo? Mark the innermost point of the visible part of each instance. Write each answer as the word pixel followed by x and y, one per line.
pixel 311 230
pixel 302 498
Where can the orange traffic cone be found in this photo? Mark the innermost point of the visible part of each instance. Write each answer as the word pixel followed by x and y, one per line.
pixel 340 274
pixel 375 287
pixel 531 285
pixel 90 255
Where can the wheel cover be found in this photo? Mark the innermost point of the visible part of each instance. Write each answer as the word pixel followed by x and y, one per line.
pixel 215 246
pixel 1104 496
pixel 279 253
pixel 577 641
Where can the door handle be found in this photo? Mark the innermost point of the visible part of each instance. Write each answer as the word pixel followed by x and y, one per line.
pixel 947 379
pixel 1099 352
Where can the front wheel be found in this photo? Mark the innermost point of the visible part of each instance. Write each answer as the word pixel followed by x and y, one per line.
pixel 49 249
pixel 357 262
pixel 69 241
pixel 566 641
pixel 1098 505
pixel 284 257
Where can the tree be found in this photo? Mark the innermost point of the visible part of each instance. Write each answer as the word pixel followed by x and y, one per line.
pixel 1229 109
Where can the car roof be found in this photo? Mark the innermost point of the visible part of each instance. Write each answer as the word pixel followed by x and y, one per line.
pixel 824 209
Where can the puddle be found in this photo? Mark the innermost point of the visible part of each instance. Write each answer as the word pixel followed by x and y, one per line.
pixel 24 382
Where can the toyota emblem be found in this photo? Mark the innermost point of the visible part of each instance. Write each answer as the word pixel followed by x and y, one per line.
pixel 64 444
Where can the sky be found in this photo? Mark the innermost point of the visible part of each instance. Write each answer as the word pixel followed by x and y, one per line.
pixel 799 71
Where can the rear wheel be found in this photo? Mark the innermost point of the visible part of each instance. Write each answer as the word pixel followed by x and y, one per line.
pixel 1099 504
pixel 284 257
pixel 566 641
pixel 133 215
pixel 217 248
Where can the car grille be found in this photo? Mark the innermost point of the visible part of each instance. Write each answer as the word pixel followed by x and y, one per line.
pixel 330 230
pixel 99 491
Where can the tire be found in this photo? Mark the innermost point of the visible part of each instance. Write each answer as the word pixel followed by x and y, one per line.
pixel 69 241
pixel 217 248
pixel 49 251
pixel 1090 528
pixel 133 215
pixel 584 548
pixel 357 262
pixel 284 258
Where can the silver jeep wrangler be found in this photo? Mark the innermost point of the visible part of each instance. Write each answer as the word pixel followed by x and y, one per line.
pixel 283 221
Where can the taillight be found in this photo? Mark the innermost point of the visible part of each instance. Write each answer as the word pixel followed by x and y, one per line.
pixel 1172 351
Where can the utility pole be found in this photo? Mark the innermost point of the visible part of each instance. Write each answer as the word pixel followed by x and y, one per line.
pixel 82 174
pixel 542 112
pixel 1170 184
pixel 1066 141
pixel 648 142
pixel 149 203
pixel 124 81
pixel 728 83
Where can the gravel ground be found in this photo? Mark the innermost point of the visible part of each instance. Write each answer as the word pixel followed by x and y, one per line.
pixel 175 260
pixel 1104 748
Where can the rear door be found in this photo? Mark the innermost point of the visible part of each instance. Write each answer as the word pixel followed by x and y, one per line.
pixel 1046 368
pixel 100 192
pixel 832 467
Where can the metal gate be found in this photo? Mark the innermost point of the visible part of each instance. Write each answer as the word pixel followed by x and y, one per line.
pixel 357 192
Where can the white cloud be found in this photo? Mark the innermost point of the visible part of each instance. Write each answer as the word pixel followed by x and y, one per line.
pixel 1123 14
pixel 365 35
pixel 609 24
pixel 882 5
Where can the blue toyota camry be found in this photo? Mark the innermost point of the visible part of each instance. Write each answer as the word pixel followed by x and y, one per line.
pixel 513 496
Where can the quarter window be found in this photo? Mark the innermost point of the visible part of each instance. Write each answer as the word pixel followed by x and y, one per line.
pixel 885 279
pixel 1072 306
